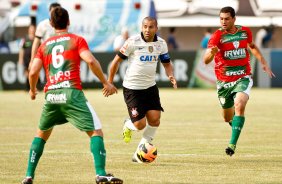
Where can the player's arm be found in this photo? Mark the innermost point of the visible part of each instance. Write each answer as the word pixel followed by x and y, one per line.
pixel 96 68
pixel 114 67
pixel 212 49
pixel 169 72
pixel 256 52
pixel 21 54
pixel 33 76
pixel 123 54
pixel 167 64
pixel 210 53
pixel 35 45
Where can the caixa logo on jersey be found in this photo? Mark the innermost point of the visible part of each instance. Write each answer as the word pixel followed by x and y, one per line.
pixel 149 58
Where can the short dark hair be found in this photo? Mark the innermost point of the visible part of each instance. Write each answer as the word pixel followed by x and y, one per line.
pixel 228 9
pixel 59 18
pixel 54 5
pixel 151 19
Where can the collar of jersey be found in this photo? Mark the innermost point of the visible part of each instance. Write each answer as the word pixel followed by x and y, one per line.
pixel 155 38
pixel 239 28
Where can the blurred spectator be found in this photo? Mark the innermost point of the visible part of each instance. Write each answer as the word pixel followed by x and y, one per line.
pixel 171 41
pixel 205 40
pixel 25 52
pixel 4 46
pixel 119 40
pixel 268 39
pixel 259 37
pixel 264 37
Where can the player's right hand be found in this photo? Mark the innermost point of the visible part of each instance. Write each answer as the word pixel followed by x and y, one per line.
pixel 109 89
pixel 173 81
pixel 32 94
pixel 214 50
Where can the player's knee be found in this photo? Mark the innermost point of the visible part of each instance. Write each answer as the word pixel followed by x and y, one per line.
pixel 239 108
pixel 95 133
pixel 140 124
pixel 154 123
pixel 227 119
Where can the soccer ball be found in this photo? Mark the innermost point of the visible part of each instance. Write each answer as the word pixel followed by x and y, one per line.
pixel 147 153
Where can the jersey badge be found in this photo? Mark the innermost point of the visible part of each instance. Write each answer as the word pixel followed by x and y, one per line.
pixel 222 100
pixel 236 44
pixel 134 112
pixel 151 49
pixel 158 47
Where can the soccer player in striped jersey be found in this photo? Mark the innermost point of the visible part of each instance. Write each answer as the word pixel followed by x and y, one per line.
pixel 140 91
pixel 65 102
pixel 228 46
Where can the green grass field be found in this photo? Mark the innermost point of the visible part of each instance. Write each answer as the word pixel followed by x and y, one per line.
pixel 191 141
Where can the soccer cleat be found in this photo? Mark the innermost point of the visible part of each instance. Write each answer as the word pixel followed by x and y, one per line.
pixel 126 133
pixel 27 180
pixel 136 159
pixel 230 150
pixel 108 179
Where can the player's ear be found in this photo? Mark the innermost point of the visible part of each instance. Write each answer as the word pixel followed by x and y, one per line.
pixel 68 22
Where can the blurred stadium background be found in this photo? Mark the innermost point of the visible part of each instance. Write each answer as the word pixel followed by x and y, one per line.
pixel 100 21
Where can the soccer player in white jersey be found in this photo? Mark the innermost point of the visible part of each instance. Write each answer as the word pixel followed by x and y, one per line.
pixel 140 91
pixel 43 31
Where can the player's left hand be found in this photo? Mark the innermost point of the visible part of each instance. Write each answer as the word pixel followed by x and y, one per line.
pixel 267 70
pixel 173 81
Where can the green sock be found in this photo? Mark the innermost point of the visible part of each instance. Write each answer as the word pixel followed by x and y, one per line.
pixel 99 154
pixel 35 153
pixel 237 125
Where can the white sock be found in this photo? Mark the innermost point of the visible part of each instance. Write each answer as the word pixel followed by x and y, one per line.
pixel 148 135
pixel 128 123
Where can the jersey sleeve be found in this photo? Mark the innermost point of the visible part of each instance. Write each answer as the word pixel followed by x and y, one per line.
pixel 214 39
pixel 117 43
pixel 164 56
pixel 250 35
pixel 126 49
pixel 40 30
pixel 82 45
pixel 39 53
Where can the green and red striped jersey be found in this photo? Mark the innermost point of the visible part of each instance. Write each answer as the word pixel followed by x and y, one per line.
pixel 61 60
pixel 233 59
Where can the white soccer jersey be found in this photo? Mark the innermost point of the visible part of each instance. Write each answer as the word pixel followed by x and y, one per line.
pixel 44 30
pixel 143 58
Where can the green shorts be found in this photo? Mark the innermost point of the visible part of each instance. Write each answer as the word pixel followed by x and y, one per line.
pixel 226 91
pixel 68 105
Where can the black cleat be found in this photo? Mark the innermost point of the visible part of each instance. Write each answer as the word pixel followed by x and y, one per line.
pixel 230 150
pixel 108 179
pixel 27 180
